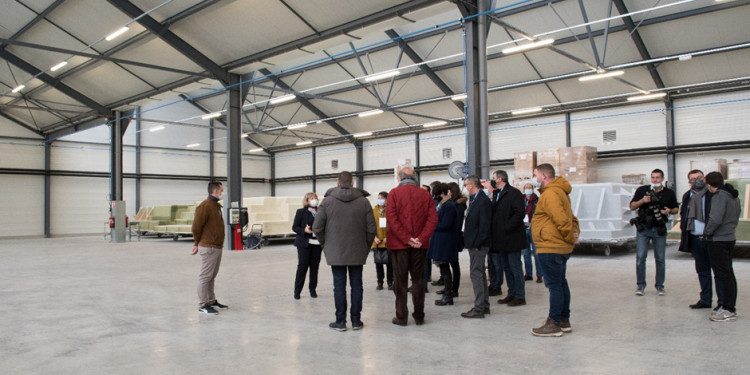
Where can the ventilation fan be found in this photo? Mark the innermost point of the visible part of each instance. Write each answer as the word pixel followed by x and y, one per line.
pixel 457 170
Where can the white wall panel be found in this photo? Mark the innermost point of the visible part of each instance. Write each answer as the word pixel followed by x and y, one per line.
pixel 164 192
pixel 78 205
pixel 534 134
pixel 256 167
pixel 21 154
pixel 344 154
pixel 294 163
pixel 128 159
pixel 385 153
pixel 155 161
pixel 22 205
pixel 321 186
pixel 431 146
pixel 98 134
pixel 611 170
pixel 295 189
pixel 68 156
pixel 376 184
pixel 251 189
pixel 636 126
pixel 715 118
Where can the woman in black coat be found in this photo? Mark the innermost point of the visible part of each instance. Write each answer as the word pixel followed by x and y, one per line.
pixel 308 247
pixel 443 243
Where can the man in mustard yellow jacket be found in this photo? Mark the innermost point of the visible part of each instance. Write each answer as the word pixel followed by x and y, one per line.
pixel 555 233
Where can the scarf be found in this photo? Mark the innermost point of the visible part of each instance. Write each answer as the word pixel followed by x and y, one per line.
pixel 695 208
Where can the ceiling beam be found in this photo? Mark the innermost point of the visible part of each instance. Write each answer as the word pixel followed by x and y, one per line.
pixel 172 39
pixel 638 41
pixel 220 119
pixel 91 123
pixel 30 24
pixel 414 56
pixel 54 82
pixel 306 103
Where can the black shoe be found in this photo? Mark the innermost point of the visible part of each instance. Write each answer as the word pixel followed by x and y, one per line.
pixel 217 305
pixel 495 292
pixel 539 279
pixel 439 282
pixel 473 314
pixel 313 294
pixel 357 325
pixel 441 291
pixel 398 322
pixel 700 305
pixel 379 287
pixel 390 286
pixel 446 300
pixel 296 295
pixel 207 309
pixel 527 278
pixel 486 310
pixel 338 326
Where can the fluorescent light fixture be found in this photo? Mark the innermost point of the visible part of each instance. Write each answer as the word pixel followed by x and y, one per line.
pixel 384 75
pixel 434 123
pixel 591 77
pixel 117 33
pixel 304 143
pixel 370 113
pixel 319 122
pixel 156 128
pixel 363 134
pixel 211 115
pixel 458 97
pixel 193 145
pixel 296 126
pixel 638 98
pixel 255 150
pixel 245 135
pixel 282 99
pixel 528 46
pixel 58 66
pixel 526 111
pixel 19 88
pixel 685 57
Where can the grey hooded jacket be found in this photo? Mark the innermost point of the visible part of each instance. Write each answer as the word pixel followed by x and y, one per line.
pixel 724 215
pixel 345 226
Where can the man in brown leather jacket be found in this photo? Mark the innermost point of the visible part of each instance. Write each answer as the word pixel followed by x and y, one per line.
pixel 208 235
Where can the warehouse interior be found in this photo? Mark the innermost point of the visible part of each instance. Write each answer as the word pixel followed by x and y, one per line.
pixel 145 101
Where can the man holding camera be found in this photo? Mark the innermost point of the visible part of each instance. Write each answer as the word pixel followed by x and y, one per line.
pixel 654 203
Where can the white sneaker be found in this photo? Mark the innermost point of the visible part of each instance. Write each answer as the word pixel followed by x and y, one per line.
pixel 660 291
pixel 639 292
pixel 722 315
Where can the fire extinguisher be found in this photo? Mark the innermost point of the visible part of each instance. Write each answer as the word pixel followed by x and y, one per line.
pixel 126 221
pixel 111 222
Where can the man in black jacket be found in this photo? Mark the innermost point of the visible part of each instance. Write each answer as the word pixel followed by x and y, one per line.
pixel 477 241
pixel 509 236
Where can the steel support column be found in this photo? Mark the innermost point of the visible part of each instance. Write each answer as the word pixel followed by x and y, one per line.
pixel 475 78
pixel 211 148
pixel 234 152
pixel 314 169
pixel 116 130
pixel 272 159
pixel 416 153
pixel 47 185
pixel 137 159
pixel 568 137
pixel 360 164
pixel 671 164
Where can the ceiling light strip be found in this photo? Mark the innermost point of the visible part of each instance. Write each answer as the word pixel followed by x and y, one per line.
pixel 592 77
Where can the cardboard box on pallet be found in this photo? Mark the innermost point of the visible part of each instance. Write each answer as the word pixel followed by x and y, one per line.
pixel 524 164
pixel 551 156
pixel 579 164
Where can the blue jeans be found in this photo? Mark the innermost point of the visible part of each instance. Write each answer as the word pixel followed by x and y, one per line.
pixel 554 267
pixel 660 246
pixel 527 253
pixel 495 268
pixel 514 274
pixel 699 249
pixel 339 292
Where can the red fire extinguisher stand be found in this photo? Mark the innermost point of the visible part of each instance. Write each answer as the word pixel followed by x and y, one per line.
pixel 238 237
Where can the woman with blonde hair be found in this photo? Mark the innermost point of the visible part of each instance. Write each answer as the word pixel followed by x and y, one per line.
pixel 308 247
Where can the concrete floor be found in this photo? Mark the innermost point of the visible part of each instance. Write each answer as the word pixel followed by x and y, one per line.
pixel 83 306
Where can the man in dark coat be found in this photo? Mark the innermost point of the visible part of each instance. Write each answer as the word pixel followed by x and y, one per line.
pixel 477 240
pixel 509 236
pixel 345 228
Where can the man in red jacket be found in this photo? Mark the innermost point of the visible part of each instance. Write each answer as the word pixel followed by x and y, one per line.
pixel 411 218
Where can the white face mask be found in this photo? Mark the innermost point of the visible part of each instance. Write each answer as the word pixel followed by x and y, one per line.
pixel 486 192
pixel 313 203
pixel 655 186
pixel 528 192
pixel 535 183
pixel 381 202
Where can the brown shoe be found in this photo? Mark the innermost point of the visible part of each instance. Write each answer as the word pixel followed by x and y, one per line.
pixel 505 300
pixel 548 329
pixel 539 279
pixel 379 287
pixel 517 302
pixel 398 322
pixel 565 325
pixel 472 314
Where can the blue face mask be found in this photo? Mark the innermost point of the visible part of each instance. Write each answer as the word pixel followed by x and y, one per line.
pixel 528 192
pixel 381 202
pixel 535 183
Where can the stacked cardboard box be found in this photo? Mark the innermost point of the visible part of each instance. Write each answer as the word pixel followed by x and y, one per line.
pixel 738 169
pixel 523 164
pixel 578 165
pixel 551 156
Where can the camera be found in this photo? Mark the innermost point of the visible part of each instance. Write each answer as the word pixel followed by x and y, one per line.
pixel 650 216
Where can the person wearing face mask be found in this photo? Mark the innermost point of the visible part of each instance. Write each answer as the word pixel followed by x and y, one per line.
pixel 208 237
pixel 495 265
pixel 723 216
pixel 308 246
pixel 692 224
pixel 530 199
pixel 652 227
pixel 443 243
pixel 380 242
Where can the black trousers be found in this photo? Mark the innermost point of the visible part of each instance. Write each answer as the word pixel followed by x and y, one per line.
pixel 456 276
pixel 384 274
pixel 720 253
pixel 445 274
pixel 307 258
